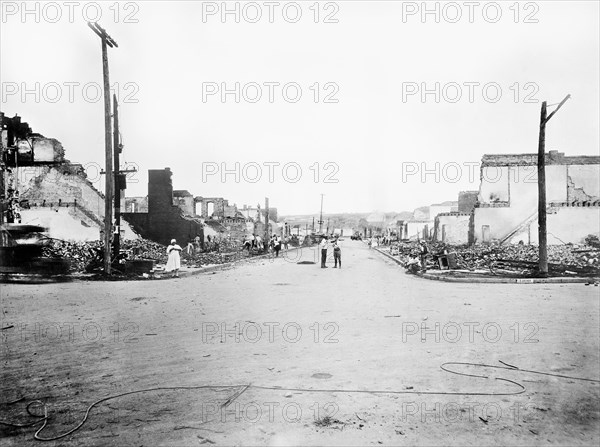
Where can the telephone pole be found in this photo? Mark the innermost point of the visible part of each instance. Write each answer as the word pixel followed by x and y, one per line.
pixel 107 41
pixel 541 171
pixel 321 216
pixel 267 235
pixel 116 180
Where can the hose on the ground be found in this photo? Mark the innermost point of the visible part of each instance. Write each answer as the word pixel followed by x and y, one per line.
pixel 445 367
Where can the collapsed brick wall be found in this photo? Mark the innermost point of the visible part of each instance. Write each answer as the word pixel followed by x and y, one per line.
pixel 220 206
pixel 65 189
pixel 63 182
pixel 508 198
pixel 237 230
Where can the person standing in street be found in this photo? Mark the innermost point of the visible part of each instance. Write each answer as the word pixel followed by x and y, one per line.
pixel 323 246
pixel 423 251
pixel 174 261
pixel 337 253
pixel 190 247
pixel 276 245
pixel 286 243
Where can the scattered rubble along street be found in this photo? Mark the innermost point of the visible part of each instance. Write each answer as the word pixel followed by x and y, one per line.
pixel 87 256
pixel 564 260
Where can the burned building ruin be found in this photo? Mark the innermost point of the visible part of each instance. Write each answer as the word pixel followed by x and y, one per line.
pixel 163 219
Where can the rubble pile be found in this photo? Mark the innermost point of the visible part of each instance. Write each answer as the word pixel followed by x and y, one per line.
pixel 211 257
pixel 87 256
pixel 562 258
pixel 78 254
pixel 568 256
pixel 222 245
pixel 144 249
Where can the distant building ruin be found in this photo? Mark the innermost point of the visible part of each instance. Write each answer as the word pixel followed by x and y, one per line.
pixel 455 227
pixel 164 220
pixel 166 213
pixel 421 225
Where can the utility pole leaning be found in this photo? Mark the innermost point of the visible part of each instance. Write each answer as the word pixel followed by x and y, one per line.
pixel 541 171
pixel 108 168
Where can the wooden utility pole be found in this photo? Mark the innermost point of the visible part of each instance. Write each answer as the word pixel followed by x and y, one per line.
pixel 321 216
pixel 267 236
pixel 541 171
pixel 107 41
pixel 116 182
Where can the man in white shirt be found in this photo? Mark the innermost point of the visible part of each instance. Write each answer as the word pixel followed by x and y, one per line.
pixel 323 246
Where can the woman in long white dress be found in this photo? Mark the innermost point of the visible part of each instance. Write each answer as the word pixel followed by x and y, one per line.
pixel 174 261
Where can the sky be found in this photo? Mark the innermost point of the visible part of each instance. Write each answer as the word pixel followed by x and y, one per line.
pixel 380 106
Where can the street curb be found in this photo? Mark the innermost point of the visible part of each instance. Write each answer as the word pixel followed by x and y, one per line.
pixel 554 280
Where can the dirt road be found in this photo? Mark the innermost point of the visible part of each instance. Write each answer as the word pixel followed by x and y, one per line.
pixel 313 344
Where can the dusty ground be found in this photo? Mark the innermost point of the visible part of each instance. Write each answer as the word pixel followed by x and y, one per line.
pixel 365 327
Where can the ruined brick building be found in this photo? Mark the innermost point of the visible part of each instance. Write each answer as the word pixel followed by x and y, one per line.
pixel 166 214
pixel 507 208
pixel 51 191
pixel 455 227
pixel 421 225
pixel 163 219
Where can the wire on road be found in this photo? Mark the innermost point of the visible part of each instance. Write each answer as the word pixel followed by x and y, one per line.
pixel 242 388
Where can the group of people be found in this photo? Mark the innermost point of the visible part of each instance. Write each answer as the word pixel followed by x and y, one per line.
pixel 274 245
pixel 375 241
pixel 337 252
pixel 254 243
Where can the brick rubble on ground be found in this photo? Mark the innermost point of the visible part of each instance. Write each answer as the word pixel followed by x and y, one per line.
pixel 83 254
pixel 581 258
